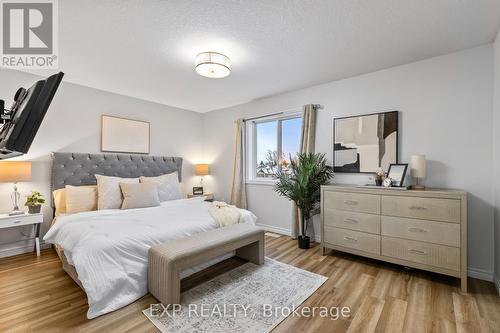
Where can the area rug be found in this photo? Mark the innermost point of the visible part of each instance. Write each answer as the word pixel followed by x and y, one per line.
pixel 249 298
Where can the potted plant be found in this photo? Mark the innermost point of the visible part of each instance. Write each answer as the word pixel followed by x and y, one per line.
pixel 34 202
pixel 301 183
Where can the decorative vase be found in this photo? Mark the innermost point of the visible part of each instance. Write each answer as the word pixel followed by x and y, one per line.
pixel 378 182
pixel 304 242
pixel 34 209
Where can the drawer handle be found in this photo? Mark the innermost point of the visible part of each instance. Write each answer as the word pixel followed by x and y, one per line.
pixel 418 208
pixel 351 202
pixel 412 229
pixel 417 251
pixel 349 220
pixel 350 239
pixel 16 222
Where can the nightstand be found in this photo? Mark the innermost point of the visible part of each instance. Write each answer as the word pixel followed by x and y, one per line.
pixel 208 196
pixel 36 220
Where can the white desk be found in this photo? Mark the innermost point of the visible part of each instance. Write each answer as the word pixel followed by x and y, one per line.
pixel 36 220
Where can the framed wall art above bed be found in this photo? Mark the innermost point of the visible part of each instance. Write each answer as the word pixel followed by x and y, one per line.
pixel 364 143
pixel 122 135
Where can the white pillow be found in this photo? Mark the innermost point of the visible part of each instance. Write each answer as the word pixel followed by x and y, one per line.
pixel 140 195
pixel 109 194
pixel 169 187
pixel 81 199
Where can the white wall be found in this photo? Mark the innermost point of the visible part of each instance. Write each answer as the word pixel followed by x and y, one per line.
pixel 496 156
pixel 72 124
pixel 446 113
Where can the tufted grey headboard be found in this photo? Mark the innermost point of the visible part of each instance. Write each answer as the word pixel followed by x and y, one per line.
pixel 79 169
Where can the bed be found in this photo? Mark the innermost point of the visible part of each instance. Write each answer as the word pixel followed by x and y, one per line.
pixel 106 251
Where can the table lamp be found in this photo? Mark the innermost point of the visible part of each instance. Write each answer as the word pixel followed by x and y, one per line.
pixel 201 170
pixel 418 170
pixel 14 172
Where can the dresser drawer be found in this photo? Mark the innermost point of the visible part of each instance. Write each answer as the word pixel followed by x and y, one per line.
pixel 354 202
pixel 352 220
pixel 14 221
pixel 447 210
pixel 440 256
pixel 356 240
pixel 422 230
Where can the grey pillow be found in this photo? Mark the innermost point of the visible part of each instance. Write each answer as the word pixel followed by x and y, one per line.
pixel 139 195
pixel 169 187
pixel 109 195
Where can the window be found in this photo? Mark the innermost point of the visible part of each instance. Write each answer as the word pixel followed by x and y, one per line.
pixel 271 144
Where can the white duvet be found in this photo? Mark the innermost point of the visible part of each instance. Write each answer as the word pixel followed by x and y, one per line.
pixel 109 248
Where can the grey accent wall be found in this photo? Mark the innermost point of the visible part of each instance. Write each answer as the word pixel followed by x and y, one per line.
pixel 446 113
pixel 496 156
pixel 72 124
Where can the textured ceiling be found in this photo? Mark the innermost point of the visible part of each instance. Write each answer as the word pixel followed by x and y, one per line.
pixel 146 49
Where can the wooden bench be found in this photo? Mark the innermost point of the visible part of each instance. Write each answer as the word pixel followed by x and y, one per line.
pixel 167 261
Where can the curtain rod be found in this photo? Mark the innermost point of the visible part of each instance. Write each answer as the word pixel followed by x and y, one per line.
pixel 317 106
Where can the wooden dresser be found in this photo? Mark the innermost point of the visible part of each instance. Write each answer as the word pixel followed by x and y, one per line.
pixel 421 229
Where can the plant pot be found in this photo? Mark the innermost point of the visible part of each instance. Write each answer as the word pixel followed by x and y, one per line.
pixel 378 182
pixel 34 209
pixel 304 242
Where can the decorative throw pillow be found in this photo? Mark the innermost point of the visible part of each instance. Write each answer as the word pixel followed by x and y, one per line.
pixel 109 195
pixel 169 187
pixel 60 201
pixel 139 195
pixel 81 199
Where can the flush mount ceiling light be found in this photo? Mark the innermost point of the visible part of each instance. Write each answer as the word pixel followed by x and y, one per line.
pixel 213 65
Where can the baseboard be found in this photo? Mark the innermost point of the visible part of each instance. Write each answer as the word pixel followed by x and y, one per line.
pixel 284 231
pixel 496 281
pixel 22 249
pixel 480 274
pixel 277 230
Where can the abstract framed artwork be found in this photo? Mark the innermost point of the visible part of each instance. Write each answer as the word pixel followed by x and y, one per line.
pixel 122 135
pixel 364 143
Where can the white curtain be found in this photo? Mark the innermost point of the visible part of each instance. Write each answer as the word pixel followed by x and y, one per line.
pixel 238 189
pixel 306 146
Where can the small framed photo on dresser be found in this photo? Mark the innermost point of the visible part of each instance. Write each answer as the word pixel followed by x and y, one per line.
pixel 397 173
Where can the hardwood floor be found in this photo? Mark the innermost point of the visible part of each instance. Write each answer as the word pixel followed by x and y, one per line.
pixel 36 295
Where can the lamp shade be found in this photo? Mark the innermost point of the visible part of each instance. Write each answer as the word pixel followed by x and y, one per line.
pixel 13 172
pixel 418 166
pixel 201 169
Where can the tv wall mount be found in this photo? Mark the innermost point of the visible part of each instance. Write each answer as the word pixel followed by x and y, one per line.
pixel 7 115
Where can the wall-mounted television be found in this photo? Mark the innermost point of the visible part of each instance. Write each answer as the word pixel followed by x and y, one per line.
pixel 20 123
